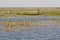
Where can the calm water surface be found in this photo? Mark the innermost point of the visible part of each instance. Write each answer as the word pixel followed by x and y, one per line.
pixel 36 18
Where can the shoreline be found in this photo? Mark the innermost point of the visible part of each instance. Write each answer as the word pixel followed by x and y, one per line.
pixel 27 15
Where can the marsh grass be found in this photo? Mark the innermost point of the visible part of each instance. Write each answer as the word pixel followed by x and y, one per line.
pixel 5 12
pixel 9 25
pixel 25 25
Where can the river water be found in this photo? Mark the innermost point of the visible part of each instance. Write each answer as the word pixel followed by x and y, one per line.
pixel 35 18
pixel 45 32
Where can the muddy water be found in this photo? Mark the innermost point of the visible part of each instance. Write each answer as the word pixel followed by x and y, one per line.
pixel 48 31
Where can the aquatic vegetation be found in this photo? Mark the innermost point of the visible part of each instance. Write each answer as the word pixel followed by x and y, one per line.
pixel 21 25
pixel 9 25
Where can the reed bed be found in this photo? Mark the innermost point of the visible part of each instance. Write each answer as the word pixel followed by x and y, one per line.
pixel 21 25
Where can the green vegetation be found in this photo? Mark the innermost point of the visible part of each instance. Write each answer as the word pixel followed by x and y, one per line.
pixel 5 12
pixel 52 14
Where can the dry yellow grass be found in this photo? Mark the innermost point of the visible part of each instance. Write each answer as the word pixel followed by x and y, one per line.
pixel 25 25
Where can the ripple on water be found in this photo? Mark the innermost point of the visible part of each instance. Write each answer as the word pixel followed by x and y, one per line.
pixel 46 32
pixel 43 33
